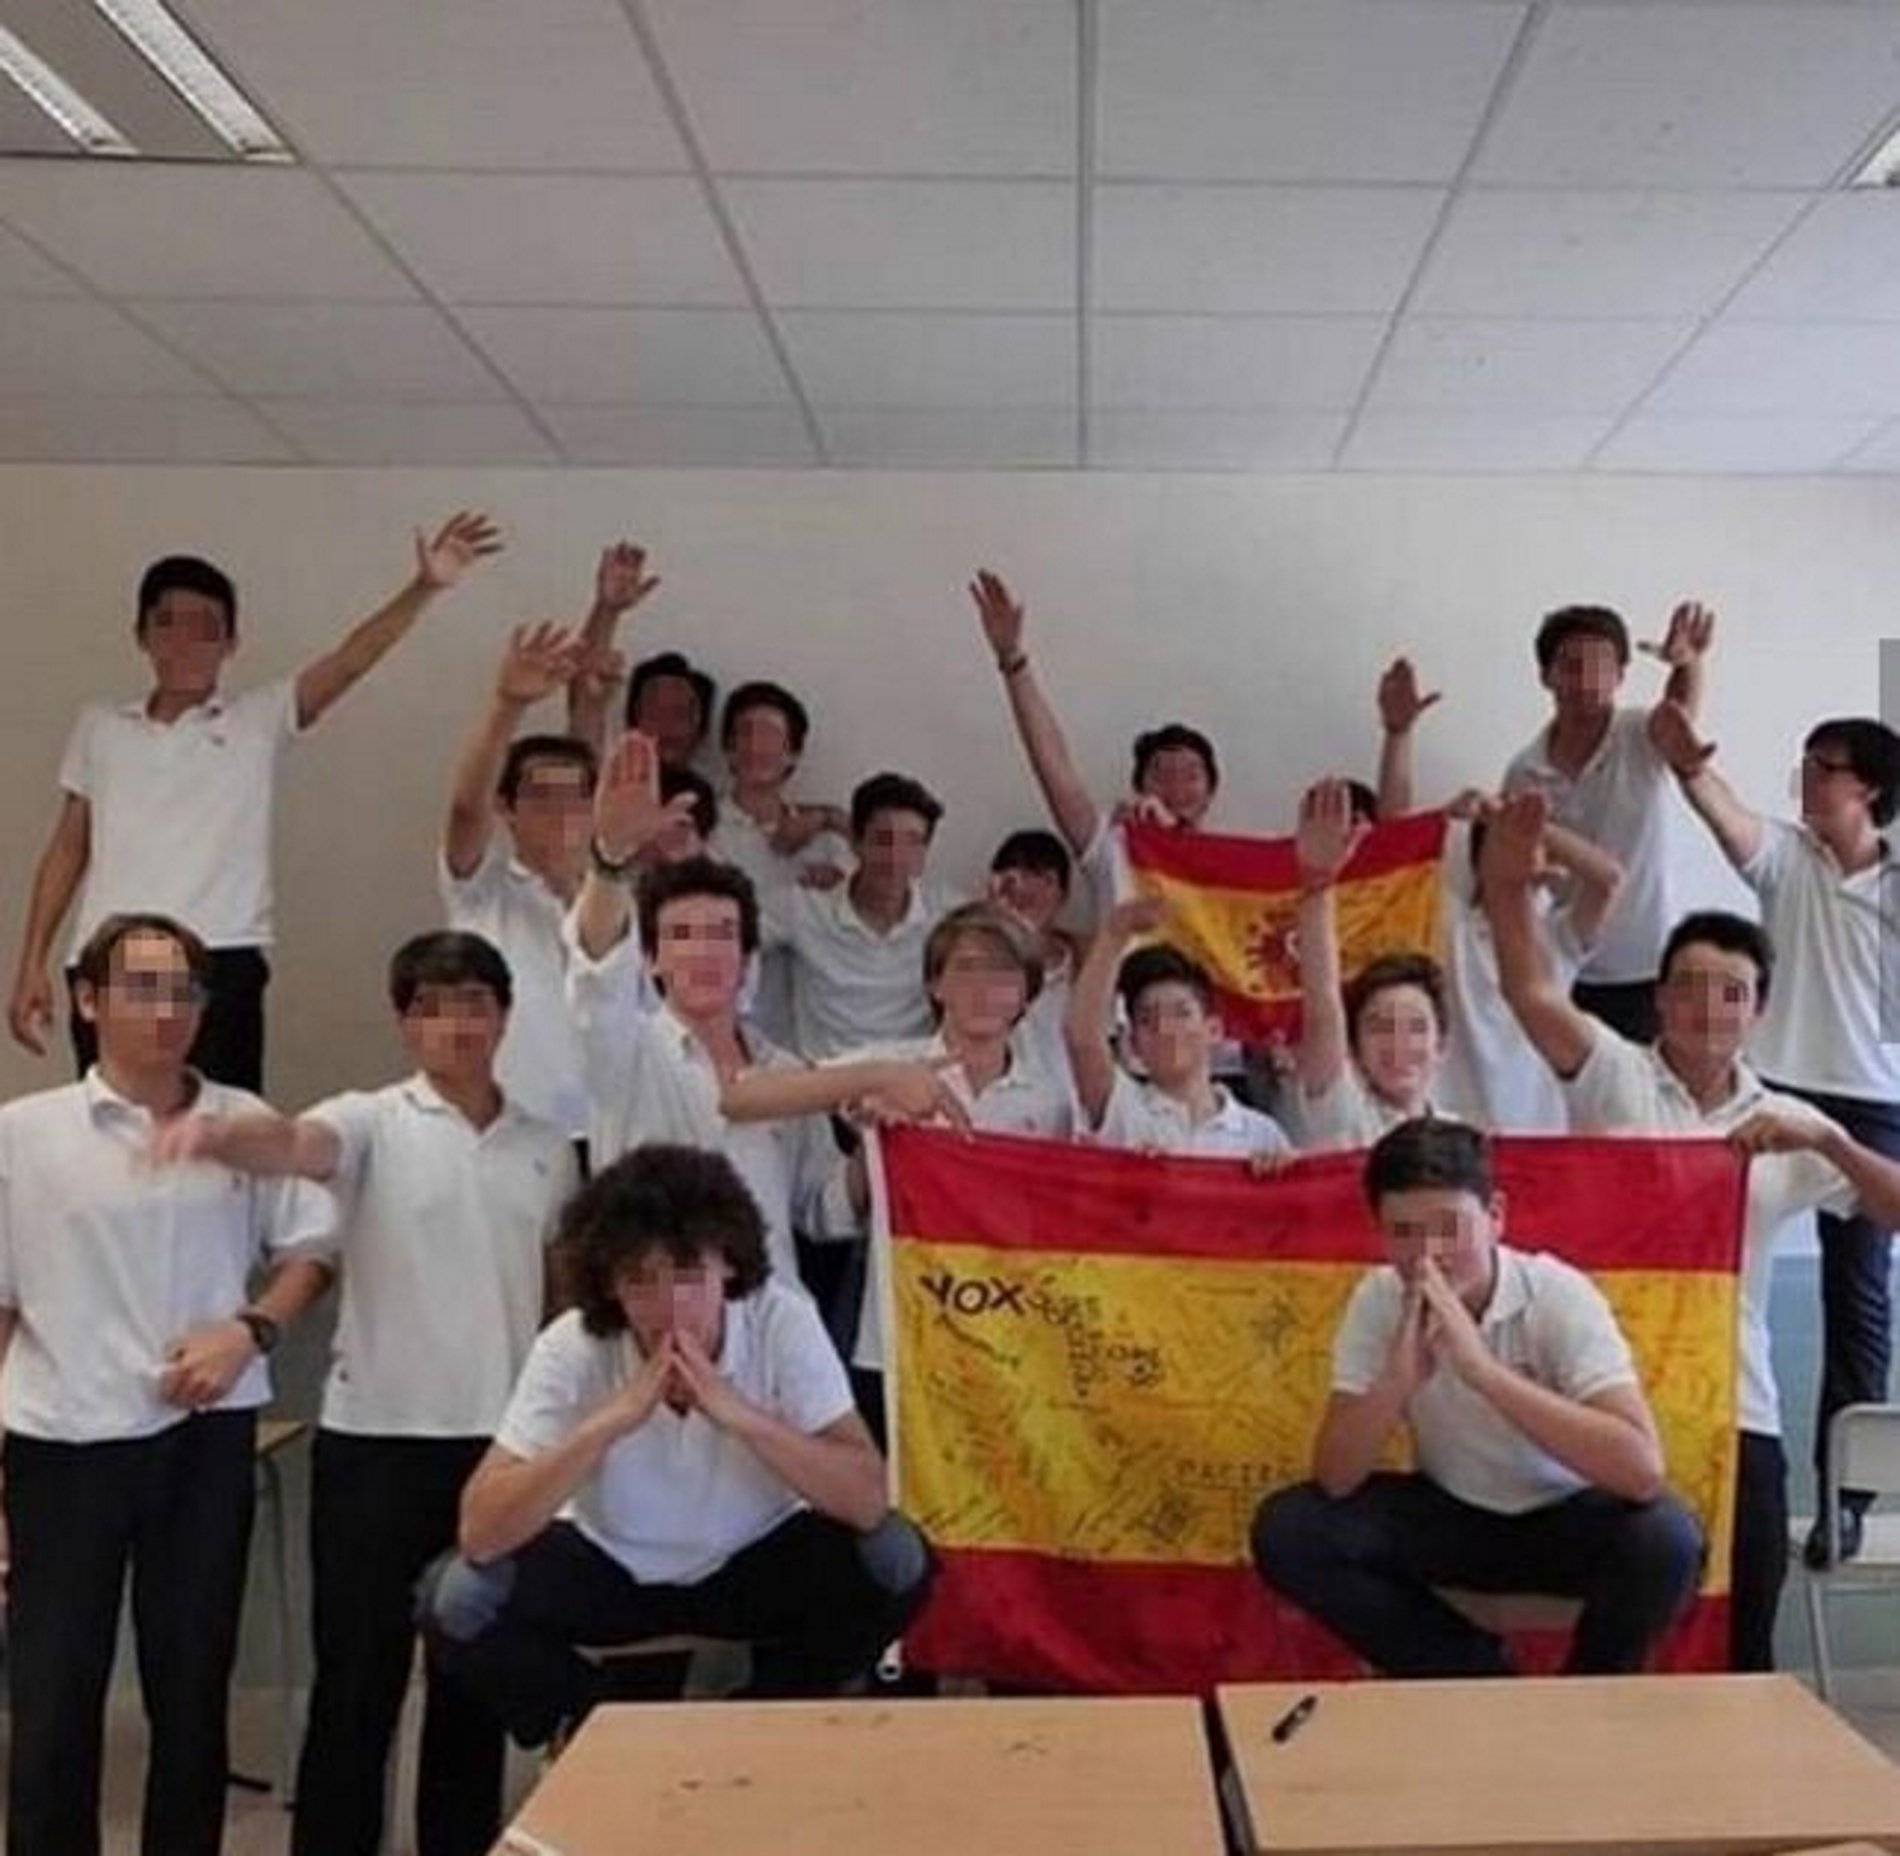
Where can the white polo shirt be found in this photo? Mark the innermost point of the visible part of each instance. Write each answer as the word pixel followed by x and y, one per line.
pixel 507 904
pixel 181 812
pixel 1624 799
pixel 1348 1114
pixel 650 1079
pixel 445 1227
pixel 679 1497
pixel 851 984
pixel 108 1260
pixel 1626 1088
pixel 1545 1320
pixel 1141 1116
pixel 1838 942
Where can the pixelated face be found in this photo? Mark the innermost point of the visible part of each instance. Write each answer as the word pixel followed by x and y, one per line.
pixel 1708 1002
pixel 668 710
pixel 759 752
pixel 1584 675
pixel 697 958
pixel 454 1030
pixel 1178 778
pixel 893 848
pixel 184 635
pixel 1831 792
pixel 1034 897
pixel 1398 1044
pixel 1455 1228
pixel 659 1297
pixel 981 991
pixel 552 815
pixel 149 1009
pixel 1171 1033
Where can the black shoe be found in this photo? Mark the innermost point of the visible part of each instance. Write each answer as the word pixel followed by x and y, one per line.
pixel 1815 1552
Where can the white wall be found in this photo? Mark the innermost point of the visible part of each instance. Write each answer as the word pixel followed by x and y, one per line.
pixel 1260 609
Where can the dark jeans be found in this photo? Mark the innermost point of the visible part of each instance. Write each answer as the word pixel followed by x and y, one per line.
pixel 229 1047
pixel 176 1509
pixel 1856 1297
pixel 1758 1567
pixel 381 1509
pixel 1365 1566
pixel 1629 1006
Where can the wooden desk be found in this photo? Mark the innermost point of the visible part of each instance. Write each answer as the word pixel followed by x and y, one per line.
pixel 1644 1765
pixel 872 1778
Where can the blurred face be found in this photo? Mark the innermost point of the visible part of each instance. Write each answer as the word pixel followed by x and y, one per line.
pixel 981 991
pixel 1456 1229
pixel 1707 1002
pixel 893 848
pixel 184 636
pixel 668 710
pixel 680 840
pixel 1584 676
pixel 697 958
pixel 147 1012
pixel 1172 1033
pixel 1034 897
pixel 1178 778
pixel 551 816
pixel 453 1031
pixel 661 1297
pixel 759 750
pixel 1832 794
pixel 1398 1044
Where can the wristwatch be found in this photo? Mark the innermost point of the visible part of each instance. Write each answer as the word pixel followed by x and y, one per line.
pixel 615 870
pixel 265 1332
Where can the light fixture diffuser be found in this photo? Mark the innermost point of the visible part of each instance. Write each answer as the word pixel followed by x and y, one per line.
pixel 1882 167
pixel 185 65
pixel 93 131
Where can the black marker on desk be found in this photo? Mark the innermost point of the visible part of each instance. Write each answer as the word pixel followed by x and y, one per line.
pixel 1294 1719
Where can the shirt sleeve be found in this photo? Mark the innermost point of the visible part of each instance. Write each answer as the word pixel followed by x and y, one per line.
pixel 550 1398
pixel 352 1118
pixel 1123 1124
pixel 1767 870
pixel 608 999
pixel 464 896
pixel 1341 1115
pixel 1579 1348
pixel 300 1220
pixel 1364 1339
pixel 1607 1093
pixel 269 711
pixel 809 1386
pixel 75 764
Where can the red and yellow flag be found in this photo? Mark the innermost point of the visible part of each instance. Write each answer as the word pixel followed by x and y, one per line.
pixel 1234 905
pixel 1104 1360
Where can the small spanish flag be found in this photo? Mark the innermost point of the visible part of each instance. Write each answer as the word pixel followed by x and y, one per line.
pixel 1234 905
pixel 1105 1360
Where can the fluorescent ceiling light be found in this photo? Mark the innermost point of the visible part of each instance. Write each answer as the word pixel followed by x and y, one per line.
pixel 92 131
pixel 1882 167
pixel 185 65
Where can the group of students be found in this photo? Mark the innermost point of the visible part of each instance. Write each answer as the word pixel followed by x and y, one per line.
pixel 644 1048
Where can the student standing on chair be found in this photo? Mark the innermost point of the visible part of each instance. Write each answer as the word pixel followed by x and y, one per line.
pixel 133 1368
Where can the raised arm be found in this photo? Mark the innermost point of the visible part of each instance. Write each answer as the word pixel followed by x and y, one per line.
pixel 441 562
pixel 1400 706
pixel 1596 880
pixel 1075 813
pixel 539 660
pixel 1738 830
pixel 621 582
pixel 62 864
pixel 1326 839
pixel 270 1145
pixel 628 815
pixel 1086 1018
pixel 1685 649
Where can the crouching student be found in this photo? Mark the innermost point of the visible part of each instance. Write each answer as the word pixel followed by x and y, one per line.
pixel 1539 1467
pixel 681 1454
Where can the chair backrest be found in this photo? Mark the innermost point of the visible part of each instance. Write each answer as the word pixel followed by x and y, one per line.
pixel 1863 1448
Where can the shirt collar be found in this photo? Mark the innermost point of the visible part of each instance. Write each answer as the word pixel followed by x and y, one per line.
pixel 423 1094
pixel 1511 1293
pixel 1749 1088
pixel 209 710
pixel 846 913
pixel 103 1102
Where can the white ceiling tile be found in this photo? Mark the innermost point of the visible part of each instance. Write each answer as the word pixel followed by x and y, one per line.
pixel 1431 441
pixel 876 86
pixel 909 244
pixel 685 437
pixel 1712 442
pixel 148 429
pixel 1231 361
pixel 1882 456
pixel 23 272
pixel 1122 438
pixel 78 346
pixel 1374 90
pixel 349 351
pixel 198 229
pixel 1502 366
pixel 352 432
pixel 450 83
pixel 997 438
pixel 1696 95
pixel 1842 261
pixel 545 238
pixel 1286 250
pixel 1817 371
pixel 1525 252
pixel 925 362
pixel 694 357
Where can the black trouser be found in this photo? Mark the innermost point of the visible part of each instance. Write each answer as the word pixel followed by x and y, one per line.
pixel 817 1600
pixel 229 1047
pixel 1856 1293
pixel 1628 1006
pixel 1366 1565
pixel 176 1508
pixel 381 1509
pixel 1758 1566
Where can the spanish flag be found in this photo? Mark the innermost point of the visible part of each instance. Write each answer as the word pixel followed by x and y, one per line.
pixel 1234 905
pixel 1104 1360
